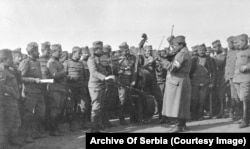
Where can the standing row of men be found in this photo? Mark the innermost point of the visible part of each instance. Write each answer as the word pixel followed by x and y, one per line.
pixel 180 84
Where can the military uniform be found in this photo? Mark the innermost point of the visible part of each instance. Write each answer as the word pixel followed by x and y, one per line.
pixel 57 92
pixel 220 83
pixel 45 75
pixel 177 96
pixel 126 67
pixel 229 73
pixel 75 82
pixel 85 87
pixel 96 86
pixel 150 65
pixel 30 70
pixel 202 76
pixel 241 79
pixel 9 93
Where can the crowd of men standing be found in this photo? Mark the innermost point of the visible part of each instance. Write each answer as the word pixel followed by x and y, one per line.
pixel 89 82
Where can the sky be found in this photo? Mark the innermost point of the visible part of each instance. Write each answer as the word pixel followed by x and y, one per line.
pixel 81 22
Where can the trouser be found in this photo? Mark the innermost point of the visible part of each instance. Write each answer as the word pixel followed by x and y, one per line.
pixel 80 103
pixel 162 87
pixel 198 100
pixel 97 97
pixel 47 109
pixel 108 102
pixel 243 91
pixel 34 112
pixel 123 98
pixel 11 118
pixel 155 90
pixel 57 100
pixel 221 90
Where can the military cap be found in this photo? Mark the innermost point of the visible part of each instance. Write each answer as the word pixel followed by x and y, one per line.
pixel 65 52
pixel 216 42
pixel 45 45
pixel 97 44
pixel 209 49
pixel 170 38
pixel 85 49
pixel 31 46
pixel 195 48
pixel 230 39
pixel 242 37
pixel 201 47
pixel 124 45
pixel 76 49
pixel 56 47
pixel 5 53
pixel 149 47
pixel 17 50
pixel 179 39
pixel 107 48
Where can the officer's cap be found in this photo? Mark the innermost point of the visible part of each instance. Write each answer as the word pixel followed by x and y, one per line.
pixel 242 37
pixel 97 44
pixel 216 43
pixel 230 39
pixel 5 53
pixel 149 47
pixel 17 50
pixel 45 45
pixel 76 49
pixel 56 47
pixel 124 45
pixel 179 39
pixel 31 46
pixel 107 48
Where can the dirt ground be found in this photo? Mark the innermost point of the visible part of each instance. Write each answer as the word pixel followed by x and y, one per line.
pixel 76 140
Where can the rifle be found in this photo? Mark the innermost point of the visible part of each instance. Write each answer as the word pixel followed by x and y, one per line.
pixel 135 74
pixel 161 43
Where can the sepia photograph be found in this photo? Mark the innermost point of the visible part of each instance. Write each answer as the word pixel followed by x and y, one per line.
pixel 73 68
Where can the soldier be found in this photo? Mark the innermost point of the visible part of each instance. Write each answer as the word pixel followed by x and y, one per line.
pixel 126 67
pixel 202 78
pixel 34 106
pixel 176 100
pixel 57 90
pixel 65 56
pixel 9 93
pixel 229 72
pixel 85 57
pixel 17 56
pixel 220 84
pixel 195 51
pixel 75 83
pixel 160 72
pixel 111 90
pixel 98 76
pixel 45 49
pixel 241 76
pixel 150 65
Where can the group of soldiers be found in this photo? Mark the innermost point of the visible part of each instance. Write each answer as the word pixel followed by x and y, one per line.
pixel 89 84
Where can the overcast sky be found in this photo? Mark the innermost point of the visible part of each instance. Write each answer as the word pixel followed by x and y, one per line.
pixel 80 22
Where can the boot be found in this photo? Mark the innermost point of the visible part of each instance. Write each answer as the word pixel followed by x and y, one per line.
pixel 29 139
pixel 180 126
pixel 244 123
pixel 123 121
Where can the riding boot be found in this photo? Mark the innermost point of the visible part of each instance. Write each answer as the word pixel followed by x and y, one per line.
pixel 245 120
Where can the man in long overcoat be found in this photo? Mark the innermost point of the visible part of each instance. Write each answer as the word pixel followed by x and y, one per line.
pixel 176 100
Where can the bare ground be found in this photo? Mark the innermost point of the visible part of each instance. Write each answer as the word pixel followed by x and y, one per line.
pixel 76 140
